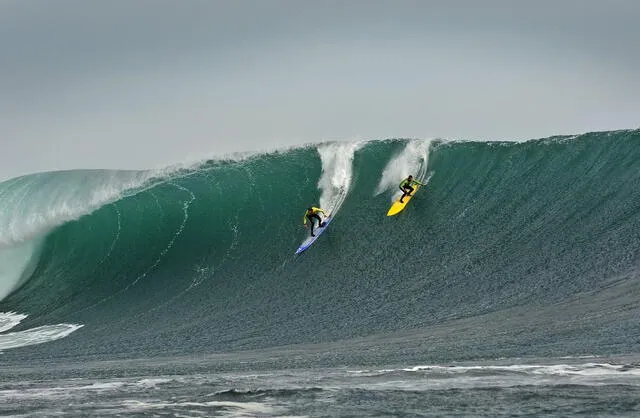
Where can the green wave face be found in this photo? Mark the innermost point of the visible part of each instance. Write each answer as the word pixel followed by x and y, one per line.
pixel 202 260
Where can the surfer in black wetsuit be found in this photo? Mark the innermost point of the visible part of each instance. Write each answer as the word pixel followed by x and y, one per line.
pixel 406 187
pixel 311 214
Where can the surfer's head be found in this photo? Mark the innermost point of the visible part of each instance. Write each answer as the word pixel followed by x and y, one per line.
pixel 309 209
pixel 410 177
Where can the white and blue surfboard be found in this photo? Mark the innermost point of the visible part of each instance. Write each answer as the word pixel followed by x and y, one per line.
pixel 310 240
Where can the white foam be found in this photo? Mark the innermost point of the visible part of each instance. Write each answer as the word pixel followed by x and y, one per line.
pixel 236 409
pixel 412 160
pixel 151 382
pixel 582 369
pixel 38 335
pixel 66 388
pixel 9 320
pixel 428 377
pixel 337 172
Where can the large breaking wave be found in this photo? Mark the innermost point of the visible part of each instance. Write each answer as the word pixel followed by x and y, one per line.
pixel 513 248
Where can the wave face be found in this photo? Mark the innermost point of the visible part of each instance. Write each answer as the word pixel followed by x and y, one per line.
pixel 511 249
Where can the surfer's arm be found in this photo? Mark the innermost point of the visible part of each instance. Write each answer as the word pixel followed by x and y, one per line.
pixel 320 210
pixel 304 219
pixel 418 183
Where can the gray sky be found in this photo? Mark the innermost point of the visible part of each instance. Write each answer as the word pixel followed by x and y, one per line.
pixel 142 84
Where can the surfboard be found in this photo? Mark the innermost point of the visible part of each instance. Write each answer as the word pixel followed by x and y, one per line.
pixel 310 240
pixel 398 207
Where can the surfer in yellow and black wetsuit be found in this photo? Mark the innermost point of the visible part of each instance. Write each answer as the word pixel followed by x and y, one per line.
pixel 311 214
pixel 406 188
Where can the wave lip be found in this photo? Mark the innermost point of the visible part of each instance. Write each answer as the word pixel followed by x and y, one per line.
pixel 32 205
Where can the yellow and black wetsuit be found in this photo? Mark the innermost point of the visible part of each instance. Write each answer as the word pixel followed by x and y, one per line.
pixel 406 187
pixel 313 215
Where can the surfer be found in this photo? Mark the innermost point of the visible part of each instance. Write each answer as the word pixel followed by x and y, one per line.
pixel 311 214
pixel 406 188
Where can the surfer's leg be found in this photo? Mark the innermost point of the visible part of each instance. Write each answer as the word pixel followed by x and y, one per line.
pixel 404 193
pixel 411 189
pixel 310 219
pixel 320 223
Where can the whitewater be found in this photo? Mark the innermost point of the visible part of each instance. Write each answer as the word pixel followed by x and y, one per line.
pixel 509 286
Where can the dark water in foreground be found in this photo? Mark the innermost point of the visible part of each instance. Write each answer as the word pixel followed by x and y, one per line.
pixel 189 387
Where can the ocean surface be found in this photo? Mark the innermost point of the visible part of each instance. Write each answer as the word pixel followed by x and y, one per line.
pixel 509 286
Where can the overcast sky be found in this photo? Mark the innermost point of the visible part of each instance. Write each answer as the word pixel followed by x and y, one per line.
pixel 142 84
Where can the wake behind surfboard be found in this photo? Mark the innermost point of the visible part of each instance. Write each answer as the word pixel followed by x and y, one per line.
pixel 310 240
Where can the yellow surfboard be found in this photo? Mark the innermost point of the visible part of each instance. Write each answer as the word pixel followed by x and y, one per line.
pixel 398 207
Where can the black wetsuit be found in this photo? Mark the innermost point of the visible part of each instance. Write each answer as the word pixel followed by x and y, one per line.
pixel 312 216
pixel 406 189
